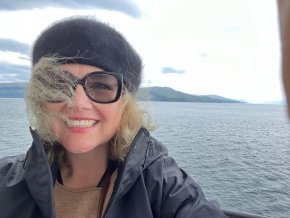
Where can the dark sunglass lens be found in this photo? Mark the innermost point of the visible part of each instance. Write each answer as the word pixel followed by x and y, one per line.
pixel 101 87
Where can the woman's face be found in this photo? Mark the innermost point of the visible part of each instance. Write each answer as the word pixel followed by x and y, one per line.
pixel 86 124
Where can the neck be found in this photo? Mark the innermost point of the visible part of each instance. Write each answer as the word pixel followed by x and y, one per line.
pixel 85 169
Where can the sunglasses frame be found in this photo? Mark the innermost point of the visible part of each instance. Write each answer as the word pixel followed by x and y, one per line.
pixel 82 82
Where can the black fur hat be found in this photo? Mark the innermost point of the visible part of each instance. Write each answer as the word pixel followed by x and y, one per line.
pixel 87 41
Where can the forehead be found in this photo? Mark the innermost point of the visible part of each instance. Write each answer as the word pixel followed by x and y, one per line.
pixel 79 70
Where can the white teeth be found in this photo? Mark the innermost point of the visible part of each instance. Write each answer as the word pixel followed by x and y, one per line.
pixel 80 123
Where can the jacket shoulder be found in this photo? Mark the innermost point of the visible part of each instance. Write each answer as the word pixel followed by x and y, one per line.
pixel 172 192
pixel 154 150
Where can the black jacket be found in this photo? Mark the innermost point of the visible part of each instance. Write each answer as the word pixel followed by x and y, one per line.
pixel 149 184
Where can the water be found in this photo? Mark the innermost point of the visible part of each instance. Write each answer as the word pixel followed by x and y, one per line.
pixel 14 132
pixel 239 154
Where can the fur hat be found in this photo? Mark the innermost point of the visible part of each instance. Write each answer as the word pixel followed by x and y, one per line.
pixel 87 41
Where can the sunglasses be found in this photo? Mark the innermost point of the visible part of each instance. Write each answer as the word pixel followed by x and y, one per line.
pixel 101 87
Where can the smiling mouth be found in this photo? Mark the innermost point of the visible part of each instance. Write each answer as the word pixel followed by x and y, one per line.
pixel 80 123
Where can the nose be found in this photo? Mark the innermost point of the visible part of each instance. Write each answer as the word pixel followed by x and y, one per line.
pixel 80 100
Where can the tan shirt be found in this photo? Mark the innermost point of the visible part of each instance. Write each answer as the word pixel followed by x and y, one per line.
pixel 80 203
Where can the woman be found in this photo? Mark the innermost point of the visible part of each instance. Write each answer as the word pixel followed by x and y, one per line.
pixel 91 154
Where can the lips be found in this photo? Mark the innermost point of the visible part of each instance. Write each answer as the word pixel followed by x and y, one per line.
pixel 80 123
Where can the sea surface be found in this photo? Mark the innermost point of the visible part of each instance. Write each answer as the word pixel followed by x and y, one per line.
pixel 238 153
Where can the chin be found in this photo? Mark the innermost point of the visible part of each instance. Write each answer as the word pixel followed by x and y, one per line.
pixel 77 149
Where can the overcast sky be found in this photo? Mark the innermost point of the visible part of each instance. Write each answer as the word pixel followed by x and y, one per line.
pixel 225 47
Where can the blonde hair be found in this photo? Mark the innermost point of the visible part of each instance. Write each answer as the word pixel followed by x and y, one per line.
pixel 133 118
pixel 49 83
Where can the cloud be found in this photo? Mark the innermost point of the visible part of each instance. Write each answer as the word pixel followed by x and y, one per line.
pixel 166 70
pixel 14 72
pixel 14 46
pixel 124 6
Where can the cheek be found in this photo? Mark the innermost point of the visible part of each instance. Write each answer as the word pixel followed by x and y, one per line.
pixel 54 107
pixel 53 121
pixel 113 114
pixel 55 126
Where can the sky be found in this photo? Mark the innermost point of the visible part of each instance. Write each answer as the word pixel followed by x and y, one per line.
pixel 229 48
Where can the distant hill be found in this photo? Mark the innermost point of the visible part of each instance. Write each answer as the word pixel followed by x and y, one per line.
pixel 12 90
pixel 17 90
pixel 169 94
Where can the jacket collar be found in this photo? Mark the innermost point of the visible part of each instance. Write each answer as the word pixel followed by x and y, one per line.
pixel 38 176
pixel 143 151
